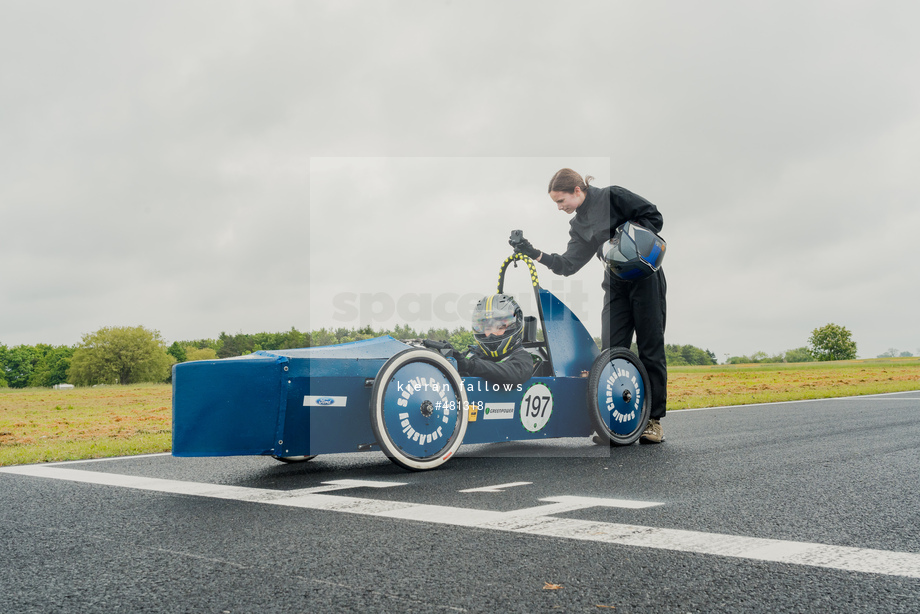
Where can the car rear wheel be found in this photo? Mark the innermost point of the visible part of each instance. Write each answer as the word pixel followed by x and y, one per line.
pixel 618 396
pixel 294 459
pixel 418 409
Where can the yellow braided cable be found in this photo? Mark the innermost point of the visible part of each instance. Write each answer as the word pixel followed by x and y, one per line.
pixel 526 260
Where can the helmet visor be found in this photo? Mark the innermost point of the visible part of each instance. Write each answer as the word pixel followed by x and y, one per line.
pixel 621 249
pixel 492 323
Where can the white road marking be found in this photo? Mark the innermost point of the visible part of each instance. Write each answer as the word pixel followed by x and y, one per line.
pixel 530 521
pixel 496 488
pixel 108 458
pixel 217 491
pixel 880 399
pixel 343 484
pixel 882 396
pixel 570 504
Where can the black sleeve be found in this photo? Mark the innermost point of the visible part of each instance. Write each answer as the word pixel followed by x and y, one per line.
pixel 636 209
pixel 515 368
pixel 577 254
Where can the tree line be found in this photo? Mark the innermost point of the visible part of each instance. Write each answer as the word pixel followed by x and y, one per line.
pixel 128 355
pixel 40 365
pixel 802 354
pixel 829 342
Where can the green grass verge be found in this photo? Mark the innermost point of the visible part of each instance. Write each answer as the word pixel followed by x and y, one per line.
pixel 722 385
pixel 42 425
pixel 76 450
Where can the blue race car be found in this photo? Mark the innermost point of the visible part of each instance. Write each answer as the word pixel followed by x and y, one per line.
pixel 408 401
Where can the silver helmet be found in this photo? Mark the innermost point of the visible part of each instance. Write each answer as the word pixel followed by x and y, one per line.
pixel 634 252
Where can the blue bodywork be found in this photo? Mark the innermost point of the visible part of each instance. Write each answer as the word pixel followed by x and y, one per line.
pixel 312 401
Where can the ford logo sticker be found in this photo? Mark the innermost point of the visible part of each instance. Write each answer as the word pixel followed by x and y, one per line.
pixel 324 401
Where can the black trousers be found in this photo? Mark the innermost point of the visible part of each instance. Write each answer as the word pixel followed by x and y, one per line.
pixel 639 307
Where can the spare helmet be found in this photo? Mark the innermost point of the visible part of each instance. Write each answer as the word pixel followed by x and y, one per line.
pixel 498 325
pixel 634 252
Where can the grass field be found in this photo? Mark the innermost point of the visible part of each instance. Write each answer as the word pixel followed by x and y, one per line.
pixel 715 386
pixel 41 424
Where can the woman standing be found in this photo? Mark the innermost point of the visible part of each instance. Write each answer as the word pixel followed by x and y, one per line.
pixel 629 306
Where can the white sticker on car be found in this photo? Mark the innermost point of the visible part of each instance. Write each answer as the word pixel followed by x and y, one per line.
pixel 536 407
pixel 324 401
pixel 498 411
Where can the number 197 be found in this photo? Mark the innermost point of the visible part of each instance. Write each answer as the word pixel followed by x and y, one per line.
pixel 536 406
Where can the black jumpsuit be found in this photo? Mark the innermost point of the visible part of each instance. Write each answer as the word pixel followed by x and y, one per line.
pixel 629 306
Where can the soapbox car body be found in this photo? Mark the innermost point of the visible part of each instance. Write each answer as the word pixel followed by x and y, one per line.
pixel 405 400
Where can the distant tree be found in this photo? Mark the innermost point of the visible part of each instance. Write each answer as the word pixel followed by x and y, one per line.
pixel 322 337
pixel 235 345
pixel 120 355
pixel 678 355
pixel 438 334
pixel 832 342
pixel 741 360
pixel 19 364
pixel 461 339
pixel 280 341
pixel 404 332
pixel 177 351
pixel 4 352
pixel 363 333
pixel 35 366
pixel 755 358
pixel 894 353
pixel 51 366
pixel 344 335
pixel 799 355
pixel 802 354
pixel 294 339
pixel 214 344
pixel 674 356
pixel 193 353
pixel 266 341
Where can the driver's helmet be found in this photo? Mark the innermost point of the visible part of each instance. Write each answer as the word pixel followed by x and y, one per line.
pixel 498 325
pixel 634 252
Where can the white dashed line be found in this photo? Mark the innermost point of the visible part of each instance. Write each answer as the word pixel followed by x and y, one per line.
pixel 496 488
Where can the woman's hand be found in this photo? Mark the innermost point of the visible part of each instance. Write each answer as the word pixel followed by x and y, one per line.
pixel 523 246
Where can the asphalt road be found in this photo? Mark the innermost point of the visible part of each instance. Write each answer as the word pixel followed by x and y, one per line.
pixel 792 507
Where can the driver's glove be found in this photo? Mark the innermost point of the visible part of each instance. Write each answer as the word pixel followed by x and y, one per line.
pixel 444 347
pixel 463 363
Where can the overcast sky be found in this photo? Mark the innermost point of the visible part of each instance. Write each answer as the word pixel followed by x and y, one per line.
pixel 199 167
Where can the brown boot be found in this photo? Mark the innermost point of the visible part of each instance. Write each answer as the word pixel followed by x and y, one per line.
pixel 653 433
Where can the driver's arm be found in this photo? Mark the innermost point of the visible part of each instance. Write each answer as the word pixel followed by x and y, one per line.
pixel 516 368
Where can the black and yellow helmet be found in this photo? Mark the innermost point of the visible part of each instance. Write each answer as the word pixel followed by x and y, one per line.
pixel 498 325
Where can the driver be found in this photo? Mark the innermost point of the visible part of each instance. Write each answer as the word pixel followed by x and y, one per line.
pixel 499 355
